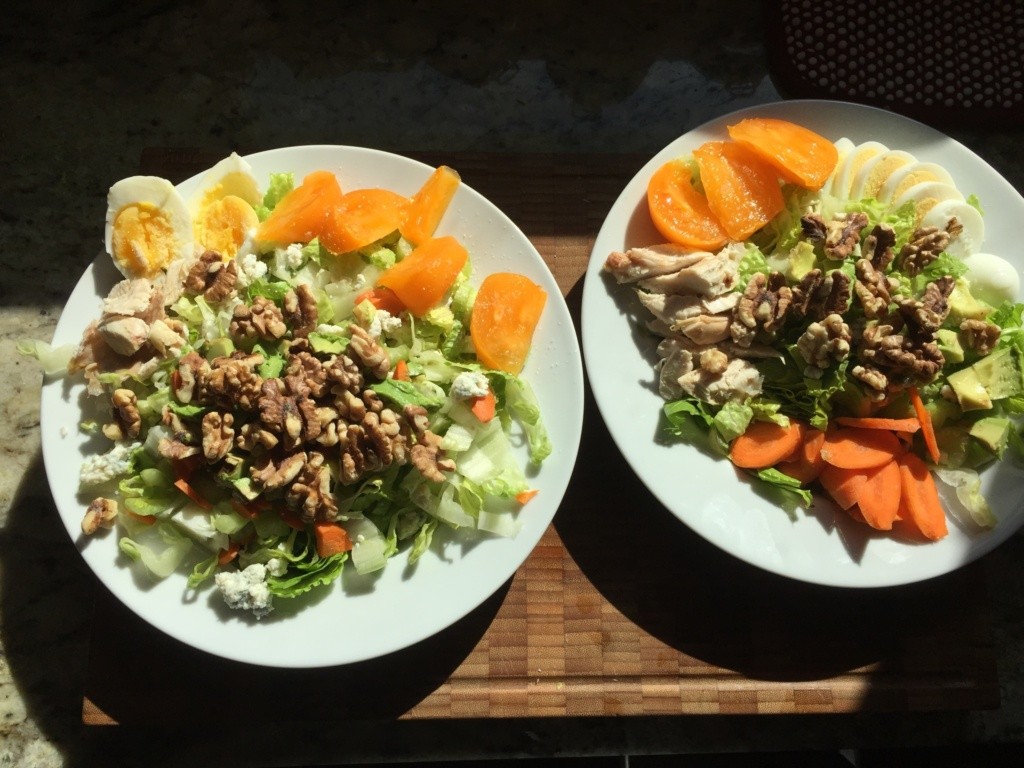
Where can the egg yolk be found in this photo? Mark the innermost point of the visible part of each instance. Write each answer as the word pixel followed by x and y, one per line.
pixel 223 224
pixel 143 241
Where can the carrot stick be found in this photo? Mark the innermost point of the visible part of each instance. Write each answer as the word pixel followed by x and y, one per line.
pixel 872 422
pixel 183 485
pixel 331 539
pixel 765 444
pixel 805 463
pixel 292 520
pixel 483 407
pixel 225 556
pixel 853 448
pixel 927 428
pixel 879 497
pixel 920 498
pixel 524 496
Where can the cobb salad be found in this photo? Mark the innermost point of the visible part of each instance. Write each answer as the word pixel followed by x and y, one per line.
pixel 292 376
pixel 826 320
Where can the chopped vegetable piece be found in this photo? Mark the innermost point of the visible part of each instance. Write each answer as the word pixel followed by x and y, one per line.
pixel 505 314
pixel 920 498
pixel 331 539
pixel 879 496
pixel 524 496
pixel 805 463
pixel 225 556
pixel 362 217
pixel 382 298
pixel 868 422
pixel 680 213
pixel 765 443
pixel 483 407
pixel 844 486
pixel 400 371
pixel 429 204
pixel 927 429
pixel 798 154
pixel 853 448
pixel 742 190
pixel 422 278
pixel 302 213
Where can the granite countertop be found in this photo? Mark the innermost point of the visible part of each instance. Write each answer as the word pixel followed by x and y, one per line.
pixel 84 96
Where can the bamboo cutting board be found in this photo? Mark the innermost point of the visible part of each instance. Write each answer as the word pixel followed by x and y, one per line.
pixel 620 610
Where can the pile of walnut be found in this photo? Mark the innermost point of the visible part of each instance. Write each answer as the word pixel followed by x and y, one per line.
pixel 297 435
pixel 712 330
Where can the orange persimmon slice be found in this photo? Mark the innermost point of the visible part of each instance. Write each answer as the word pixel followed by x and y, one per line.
pixel 429 204
pixel 422 278
pixel 798 154
pixel 362 217
pixel 505 314
pixel 301 214
pixel 679 212
pixel 743 191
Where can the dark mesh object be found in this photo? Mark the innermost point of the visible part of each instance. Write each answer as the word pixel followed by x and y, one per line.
pixel 941 62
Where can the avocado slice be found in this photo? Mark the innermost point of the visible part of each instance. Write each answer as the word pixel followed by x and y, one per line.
pixel 994 377
pixel 993 432
pixel 963 306
pixel 949 345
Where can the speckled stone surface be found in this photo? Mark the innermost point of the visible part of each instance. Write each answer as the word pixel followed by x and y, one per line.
pixel 84 94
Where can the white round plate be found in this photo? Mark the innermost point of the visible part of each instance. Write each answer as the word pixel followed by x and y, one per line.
pixel 708 493
pixel 357 618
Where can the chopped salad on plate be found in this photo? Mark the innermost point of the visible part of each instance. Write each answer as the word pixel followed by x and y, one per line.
pixel 826 319
pixel 293 377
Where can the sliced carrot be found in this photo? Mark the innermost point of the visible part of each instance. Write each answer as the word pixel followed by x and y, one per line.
pixel 331 539
pixel 871 422
pixel 422 278
pixel 144 519
pixel 483 407
pixel 743 191
pixel 764 444
pixel 401 371
pixel 382 298
pixel 879 496
pixel 679 212
pixel 183 485
pixel 920 498
pixel 805 463
pixel 798 154
pixel 225 556
pixel 302 213
pixel 524 496
pixel 362 217
pixel 927 428
pixel 843 486
pixel 853 448
pixel 505 314
pixel 429 204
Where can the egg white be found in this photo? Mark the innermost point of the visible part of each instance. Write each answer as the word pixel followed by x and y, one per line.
pixel 147 226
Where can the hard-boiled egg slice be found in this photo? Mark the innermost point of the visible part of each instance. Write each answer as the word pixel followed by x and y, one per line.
pixel 850 165
pixel 927 195
pixel 972 235
pixel 148 226
pixel 873 174
pixel 843 147
pixel 223 208
pixel 911 175
pixel 993 279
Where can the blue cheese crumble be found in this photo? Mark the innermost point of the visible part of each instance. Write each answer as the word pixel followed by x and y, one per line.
pixel 97 470
pixel 246 590
pixel 469 384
